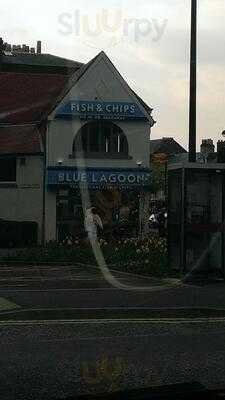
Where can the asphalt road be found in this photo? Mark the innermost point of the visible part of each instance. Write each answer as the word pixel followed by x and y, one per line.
pixel 55 360
pixel 86 287
pixel 66 357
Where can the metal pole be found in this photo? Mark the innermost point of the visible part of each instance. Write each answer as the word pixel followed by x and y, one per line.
pixel 43 234
pixel 193 73
pixel 1 52
pixel 165 181
pixel 183 249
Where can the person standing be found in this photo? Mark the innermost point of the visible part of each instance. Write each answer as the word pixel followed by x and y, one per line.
pixel 92 222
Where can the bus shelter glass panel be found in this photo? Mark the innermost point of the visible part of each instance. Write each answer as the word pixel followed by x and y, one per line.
pixel 195 223
pixel 174 217
pixel 203 223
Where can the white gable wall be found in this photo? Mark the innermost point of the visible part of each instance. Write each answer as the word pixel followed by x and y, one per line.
pixel 100 82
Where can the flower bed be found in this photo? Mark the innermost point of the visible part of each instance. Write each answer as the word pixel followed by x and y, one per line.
pixel 145 256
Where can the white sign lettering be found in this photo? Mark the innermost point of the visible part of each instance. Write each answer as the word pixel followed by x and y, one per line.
pixel 101 177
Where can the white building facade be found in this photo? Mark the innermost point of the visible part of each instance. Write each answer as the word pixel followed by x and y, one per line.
pixel 97 152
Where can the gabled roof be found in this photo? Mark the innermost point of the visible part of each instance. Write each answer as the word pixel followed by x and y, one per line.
pixel 42 59
pixel 28 97
pixel 71 82
pixel 84 68
pixel 146 107
pixel 38 63
pixel 139 99
pixel 166 145
pixel 19 140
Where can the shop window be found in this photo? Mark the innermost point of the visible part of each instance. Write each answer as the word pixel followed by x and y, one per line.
pixel 7 169
pixel 101 139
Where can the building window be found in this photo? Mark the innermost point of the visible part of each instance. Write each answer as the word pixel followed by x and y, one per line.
pixel 7 169
pixel 101 139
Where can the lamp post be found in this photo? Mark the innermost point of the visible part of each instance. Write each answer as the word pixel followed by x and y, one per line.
pixel 193 74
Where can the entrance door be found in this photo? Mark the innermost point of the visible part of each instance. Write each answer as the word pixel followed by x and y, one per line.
pixel 119 212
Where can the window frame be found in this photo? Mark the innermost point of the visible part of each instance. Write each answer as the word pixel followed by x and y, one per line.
pixel 115 133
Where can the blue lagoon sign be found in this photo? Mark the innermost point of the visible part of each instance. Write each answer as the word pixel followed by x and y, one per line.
pixel 100 110
pixel 98 178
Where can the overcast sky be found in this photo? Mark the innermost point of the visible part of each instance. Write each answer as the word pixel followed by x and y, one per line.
pixel 147 40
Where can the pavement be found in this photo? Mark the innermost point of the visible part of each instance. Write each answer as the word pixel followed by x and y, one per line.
pixel 58 355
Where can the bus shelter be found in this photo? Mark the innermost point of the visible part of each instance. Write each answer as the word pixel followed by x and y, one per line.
pixel 196 218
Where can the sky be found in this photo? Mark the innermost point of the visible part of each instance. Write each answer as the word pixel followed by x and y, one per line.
pixel 147 40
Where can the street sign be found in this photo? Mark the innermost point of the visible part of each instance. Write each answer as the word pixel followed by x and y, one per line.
pixel 160 158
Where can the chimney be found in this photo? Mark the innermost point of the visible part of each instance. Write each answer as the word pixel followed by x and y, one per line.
pixel 19 48
pixel 38 47
pixel 207 146
pixel 1 47
pixel 8 47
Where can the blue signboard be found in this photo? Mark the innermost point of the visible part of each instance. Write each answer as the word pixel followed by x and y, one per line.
pixel 99 178
pixel 100 110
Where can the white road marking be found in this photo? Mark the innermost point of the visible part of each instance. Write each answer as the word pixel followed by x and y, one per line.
pixel 6 305
pixel 90 309
pixel 60 278
pixel 174 321
pixel 11 290
pixel 150 289
pixel 140 307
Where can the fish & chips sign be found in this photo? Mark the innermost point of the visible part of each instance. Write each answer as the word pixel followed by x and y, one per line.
pixel 100 110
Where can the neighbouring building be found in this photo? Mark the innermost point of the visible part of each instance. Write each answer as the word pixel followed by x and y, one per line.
pixel 166 145
pixel 162 152
pixel 167 151
pixel 17 58
pixel 206 155
pixel 69 140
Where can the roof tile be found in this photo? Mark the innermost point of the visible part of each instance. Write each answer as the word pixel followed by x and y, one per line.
pixel 27 97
